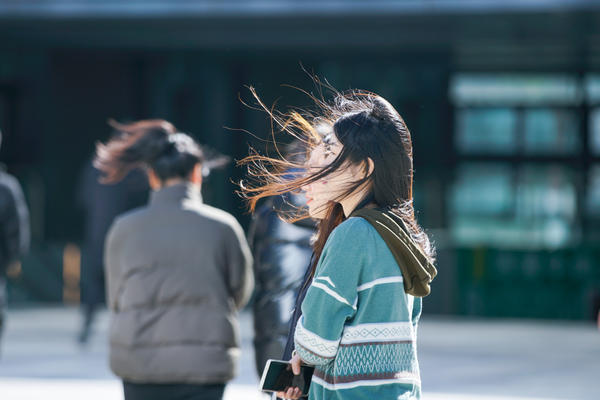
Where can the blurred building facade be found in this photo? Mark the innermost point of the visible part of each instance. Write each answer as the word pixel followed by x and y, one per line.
pixel 502 98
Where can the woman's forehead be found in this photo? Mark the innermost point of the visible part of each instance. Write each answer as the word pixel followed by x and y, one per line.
pixel 324 150
pixel 317 153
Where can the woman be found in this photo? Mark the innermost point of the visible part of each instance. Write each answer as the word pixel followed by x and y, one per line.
pixel 372 263
pixel 177 272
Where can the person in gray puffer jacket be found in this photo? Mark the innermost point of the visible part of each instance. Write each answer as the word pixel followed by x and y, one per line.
pixel 177 272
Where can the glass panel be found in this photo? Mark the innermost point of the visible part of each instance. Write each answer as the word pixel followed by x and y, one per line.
pixel 595 131
pixel 546 191
pixel 482 189
pixel 593 192
pixel 515 89
pixel 4 129
pixel 482 197
pixel 592 88
pixel 546 202
pixel 551 132
pixel 487 208
pixel 482 200
pixel 488 130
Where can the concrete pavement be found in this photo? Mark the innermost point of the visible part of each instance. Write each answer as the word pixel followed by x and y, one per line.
pixel 460 359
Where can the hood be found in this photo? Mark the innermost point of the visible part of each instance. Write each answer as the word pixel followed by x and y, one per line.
pixel 417 269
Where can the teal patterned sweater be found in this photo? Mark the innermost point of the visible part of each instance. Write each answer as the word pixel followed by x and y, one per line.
pixel 358 326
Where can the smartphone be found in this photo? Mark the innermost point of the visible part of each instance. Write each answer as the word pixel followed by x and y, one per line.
pixel 278 377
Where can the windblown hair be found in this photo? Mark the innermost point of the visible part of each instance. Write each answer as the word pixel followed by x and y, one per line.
pixel 151 144
pixel 367 126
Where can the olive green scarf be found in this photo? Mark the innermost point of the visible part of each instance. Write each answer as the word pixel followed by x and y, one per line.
pixel 417 269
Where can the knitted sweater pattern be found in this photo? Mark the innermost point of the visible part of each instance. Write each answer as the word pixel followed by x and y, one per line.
pixel 358 326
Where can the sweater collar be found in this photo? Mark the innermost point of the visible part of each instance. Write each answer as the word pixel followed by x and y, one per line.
pixel 176 194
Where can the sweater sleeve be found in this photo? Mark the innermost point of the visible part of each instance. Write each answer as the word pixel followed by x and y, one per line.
pixel 332 296
pixel 416 311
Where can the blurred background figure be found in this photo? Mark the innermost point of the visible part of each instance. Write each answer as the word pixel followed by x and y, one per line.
pixel 177 272
pixel 14 230
pixel 282 254
pixel 101 203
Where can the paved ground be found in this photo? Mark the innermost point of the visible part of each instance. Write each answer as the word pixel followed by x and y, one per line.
pixel 460 359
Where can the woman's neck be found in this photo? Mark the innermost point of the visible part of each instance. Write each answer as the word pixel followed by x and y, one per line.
pixel 350 203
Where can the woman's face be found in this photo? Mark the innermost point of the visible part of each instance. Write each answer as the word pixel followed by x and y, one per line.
pixel 331 187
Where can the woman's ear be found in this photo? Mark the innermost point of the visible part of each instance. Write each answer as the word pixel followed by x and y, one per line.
pixel 370 166
pixel 153 179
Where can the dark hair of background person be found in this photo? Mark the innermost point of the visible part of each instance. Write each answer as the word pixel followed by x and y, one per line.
pixel 153 144
pixel 368 127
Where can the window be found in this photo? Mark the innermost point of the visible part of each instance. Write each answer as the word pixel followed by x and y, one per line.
pixel 488 130
pixel 515 89
pixel 497 204
pixel 525 134
pixel 592 89
pixel 546 201
pixel 551 131
pixel 592 86
pixel 483 190
pixel 499 131
pixel 481 202
pixel 594 125
pixel 593 192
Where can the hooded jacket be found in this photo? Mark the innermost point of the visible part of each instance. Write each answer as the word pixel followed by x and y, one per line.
pixel 358 323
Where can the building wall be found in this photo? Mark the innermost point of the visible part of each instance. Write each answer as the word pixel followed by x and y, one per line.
pixel 57 92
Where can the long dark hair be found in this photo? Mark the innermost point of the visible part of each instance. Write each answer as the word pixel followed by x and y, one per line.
pixel 368 127
pixel 154 144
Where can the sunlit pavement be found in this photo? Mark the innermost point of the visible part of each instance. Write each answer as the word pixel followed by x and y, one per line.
pixel 460 359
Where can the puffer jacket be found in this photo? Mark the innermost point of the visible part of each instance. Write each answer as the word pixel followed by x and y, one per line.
pixel 282 253
pixel 177 272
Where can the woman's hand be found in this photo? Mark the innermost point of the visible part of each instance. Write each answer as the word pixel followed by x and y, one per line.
pixel 292 392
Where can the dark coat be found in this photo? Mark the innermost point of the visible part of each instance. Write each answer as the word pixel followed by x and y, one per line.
pixel 281 256
pixel 101 205
pixel 14 222
pixel 14 229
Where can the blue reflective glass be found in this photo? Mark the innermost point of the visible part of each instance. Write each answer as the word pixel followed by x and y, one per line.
pixel 551 131
pixel 487 130
pixel 594 126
